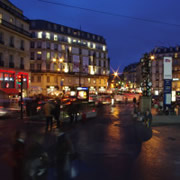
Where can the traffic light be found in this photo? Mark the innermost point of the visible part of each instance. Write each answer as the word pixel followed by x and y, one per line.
pixel 19 80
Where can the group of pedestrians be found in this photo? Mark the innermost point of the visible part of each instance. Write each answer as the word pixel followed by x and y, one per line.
pixel 52 110
pixel 33 160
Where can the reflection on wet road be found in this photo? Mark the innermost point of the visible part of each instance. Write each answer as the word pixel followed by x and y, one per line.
pixel 109 149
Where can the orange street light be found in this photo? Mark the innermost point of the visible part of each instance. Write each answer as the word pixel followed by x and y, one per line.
pixel 152 57
pixel 60 60
pixel 115 74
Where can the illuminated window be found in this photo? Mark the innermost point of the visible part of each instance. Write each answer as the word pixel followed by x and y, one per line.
pixel 11 20
pixel 63 47
pixel 40 35
pixel 104 48
pixel 55 37
pixel 39 53
pixel 94 81
pixel 89 80
pixel 176 55
pixel 94 46
pixel 69 40
pixel 0 18
pixel 48 35
pixel 89 44
pixel 48 55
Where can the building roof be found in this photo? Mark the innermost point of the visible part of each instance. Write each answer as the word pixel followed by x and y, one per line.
pixel 53 27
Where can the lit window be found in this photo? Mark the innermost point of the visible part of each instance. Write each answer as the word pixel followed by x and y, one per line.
pixel 39 52
pixel 48 55
pixel 40 35
pixel 94 46
pixel 47 35
pixel 89 44
pixel 74 40
pixel 176 55
pixel 89 80
pixel 11 20
pixel 0 18
pixel 94 81
pixel 63 47
pixel 55 37
pixel 104 48
pixel 69 40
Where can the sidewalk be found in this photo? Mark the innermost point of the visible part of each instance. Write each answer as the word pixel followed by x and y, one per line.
pixel 164 119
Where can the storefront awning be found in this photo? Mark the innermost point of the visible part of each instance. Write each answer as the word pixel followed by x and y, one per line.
pixel 9 90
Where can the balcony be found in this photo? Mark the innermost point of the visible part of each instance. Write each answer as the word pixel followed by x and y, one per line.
pixel 11 65
pixel 15 28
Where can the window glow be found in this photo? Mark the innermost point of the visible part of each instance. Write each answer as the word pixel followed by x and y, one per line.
pixel 40 34
pixel 55 37
pixel 69 40
pixel 89 44
pixel 39 52
pixel 66 69
pixel 94 46
pixel 48 55
pixel 74 40
pixel 104 48
pixel 0 18
pixel 47 35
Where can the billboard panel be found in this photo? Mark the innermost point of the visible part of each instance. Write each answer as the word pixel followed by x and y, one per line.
pixel 167 67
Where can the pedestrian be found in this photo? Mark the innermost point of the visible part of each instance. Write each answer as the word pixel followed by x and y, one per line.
pixel 148 119
pixel 48 110
pixel 56 112
pixel 36 164
pixel 134 100
pixel 71 112
pixel 18 155
pixel 64 155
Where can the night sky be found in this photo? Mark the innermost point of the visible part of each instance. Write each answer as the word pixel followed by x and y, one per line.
pixel 127 39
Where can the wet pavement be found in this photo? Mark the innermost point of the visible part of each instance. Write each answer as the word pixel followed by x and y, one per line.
pixel 108 147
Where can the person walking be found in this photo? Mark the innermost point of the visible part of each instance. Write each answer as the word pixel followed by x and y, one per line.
pixel 18 155
pixel 48 109
pixel 37 161
pixel 57 113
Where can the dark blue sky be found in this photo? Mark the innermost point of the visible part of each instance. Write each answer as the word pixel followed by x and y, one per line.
pixel 127 39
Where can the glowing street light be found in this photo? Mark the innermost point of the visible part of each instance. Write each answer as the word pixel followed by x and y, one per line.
pixel 115 74
pixel 152 57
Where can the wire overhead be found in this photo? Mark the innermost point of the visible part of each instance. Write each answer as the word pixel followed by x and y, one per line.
pixel 110 13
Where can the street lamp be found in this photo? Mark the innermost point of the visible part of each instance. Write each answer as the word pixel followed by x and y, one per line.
pixel 152 57
pixel 59 62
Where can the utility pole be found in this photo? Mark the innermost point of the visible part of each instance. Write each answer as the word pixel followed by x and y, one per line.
pixel 21 96
pixel 80 60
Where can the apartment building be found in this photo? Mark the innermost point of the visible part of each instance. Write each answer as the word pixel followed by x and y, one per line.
pixel 157 68
pixel 63 58
pixel 14 49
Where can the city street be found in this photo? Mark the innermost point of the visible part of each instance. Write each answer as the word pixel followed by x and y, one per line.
pixel 109 149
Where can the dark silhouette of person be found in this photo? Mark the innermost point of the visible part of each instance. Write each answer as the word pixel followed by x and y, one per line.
pixel 18 155
pixel 57 113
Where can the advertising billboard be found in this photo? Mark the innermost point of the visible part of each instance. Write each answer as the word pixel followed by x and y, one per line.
pixel 83 93
pixel 167 67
